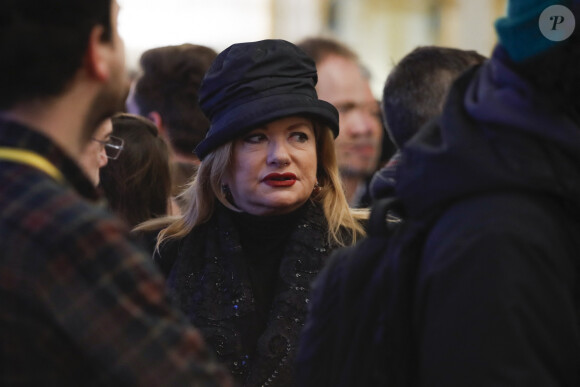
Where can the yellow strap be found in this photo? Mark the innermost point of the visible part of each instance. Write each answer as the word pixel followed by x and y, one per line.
pixel 33 159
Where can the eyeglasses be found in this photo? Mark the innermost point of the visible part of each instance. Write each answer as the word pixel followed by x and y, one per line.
pixel 113 146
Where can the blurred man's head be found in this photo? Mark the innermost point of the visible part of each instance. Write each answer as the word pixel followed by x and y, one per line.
pixel 343 82
pixel 167 93
pixel 48 45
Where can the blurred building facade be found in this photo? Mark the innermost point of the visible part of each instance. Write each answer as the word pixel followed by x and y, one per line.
pixel 381 31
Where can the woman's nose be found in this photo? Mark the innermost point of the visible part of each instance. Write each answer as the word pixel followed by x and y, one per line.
pixel 278 154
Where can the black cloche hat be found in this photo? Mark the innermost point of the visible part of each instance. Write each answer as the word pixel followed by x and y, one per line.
pixel 251 84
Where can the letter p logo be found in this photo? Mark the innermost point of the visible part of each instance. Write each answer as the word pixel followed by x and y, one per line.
pixel 557 23
pixel 557 20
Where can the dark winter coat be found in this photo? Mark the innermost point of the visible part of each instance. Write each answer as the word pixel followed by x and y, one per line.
pixel 496 300
pixel 216 283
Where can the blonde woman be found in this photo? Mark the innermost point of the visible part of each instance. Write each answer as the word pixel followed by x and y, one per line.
pixel 264 212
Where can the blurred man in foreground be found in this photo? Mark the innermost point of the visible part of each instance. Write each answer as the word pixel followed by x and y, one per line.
pixel 81 303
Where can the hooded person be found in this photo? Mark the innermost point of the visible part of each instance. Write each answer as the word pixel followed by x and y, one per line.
pixel 496 293
pixel 478 285
pixel 264 211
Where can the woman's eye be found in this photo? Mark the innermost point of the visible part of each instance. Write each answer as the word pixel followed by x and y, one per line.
pixel 254 138
pixel 300 137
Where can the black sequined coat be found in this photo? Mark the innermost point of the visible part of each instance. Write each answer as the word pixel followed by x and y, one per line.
pixel 208 276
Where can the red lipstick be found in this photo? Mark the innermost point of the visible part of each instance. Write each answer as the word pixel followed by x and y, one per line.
pixel 280 179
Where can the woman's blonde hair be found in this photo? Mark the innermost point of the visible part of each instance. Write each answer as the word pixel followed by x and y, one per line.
pixel 344 223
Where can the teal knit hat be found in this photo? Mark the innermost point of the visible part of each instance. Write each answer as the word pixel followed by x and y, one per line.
pixel 519 32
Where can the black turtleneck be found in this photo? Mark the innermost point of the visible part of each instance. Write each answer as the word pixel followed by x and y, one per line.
pixel 263 240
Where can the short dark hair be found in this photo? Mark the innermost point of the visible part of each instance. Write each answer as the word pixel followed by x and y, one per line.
pixel 138 183
pixel 169 84
pixel 43 43
pixel 318 48
pixel 416 88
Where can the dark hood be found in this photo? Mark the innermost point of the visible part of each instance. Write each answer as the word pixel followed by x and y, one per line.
pixel 495 132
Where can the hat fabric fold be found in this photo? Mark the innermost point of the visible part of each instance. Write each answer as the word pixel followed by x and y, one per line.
pixel 251 84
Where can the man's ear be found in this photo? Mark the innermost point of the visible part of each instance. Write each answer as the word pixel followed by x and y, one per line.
pixel 156 118
pixel 158 121
pixel 98 54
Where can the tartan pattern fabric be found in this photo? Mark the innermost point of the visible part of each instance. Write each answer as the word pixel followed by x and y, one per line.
pixel 80 302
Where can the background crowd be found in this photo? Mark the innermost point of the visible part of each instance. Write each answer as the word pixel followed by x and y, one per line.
pixel 173 225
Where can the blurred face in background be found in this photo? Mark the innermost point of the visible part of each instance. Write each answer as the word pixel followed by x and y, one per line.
pixel 358 146
pixel 94 156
